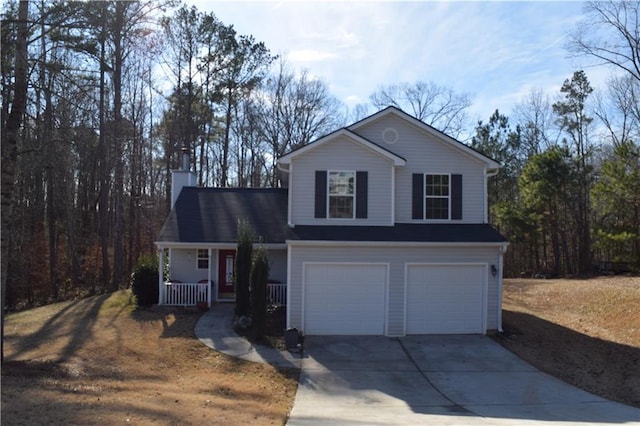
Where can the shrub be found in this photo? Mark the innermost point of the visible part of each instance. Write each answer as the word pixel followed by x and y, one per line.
pixel 243 268
pixel 144 281
pixel 259 278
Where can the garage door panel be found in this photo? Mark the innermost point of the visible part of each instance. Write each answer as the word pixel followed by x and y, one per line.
pixel 344 298
pixel 443 299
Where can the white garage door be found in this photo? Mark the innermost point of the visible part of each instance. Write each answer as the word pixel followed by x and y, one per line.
pixel 445 299
pixel 344 299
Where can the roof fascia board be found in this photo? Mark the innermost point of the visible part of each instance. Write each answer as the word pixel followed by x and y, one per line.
pixel 397 160
pixel 325 243
pixel 223 246
pixel 454 143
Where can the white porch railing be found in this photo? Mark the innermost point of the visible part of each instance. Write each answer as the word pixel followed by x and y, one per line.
pixel 277 294
pixel 190 294
pixel 185 294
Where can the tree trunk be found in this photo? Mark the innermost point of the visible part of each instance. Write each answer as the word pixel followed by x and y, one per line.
pixel 9 152
pixel 104 173
pixel 118 245
pixel 224 173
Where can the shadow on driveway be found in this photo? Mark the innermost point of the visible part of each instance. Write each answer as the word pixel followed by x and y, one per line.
pixel 436 380
pixel 606 368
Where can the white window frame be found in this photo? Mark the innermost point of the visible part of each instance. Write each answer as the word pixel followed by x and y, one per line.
pixel 448 196
pixel 199 258
pixel 329 195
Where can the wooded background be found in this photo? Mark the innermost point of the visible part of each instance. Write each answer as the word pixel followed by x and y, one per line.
pixel 113 90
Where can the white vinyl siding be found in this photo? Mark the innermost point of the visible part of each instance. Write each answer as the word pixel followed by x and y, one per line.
pixel 341 154
pixel 425 154
pixel 397 258
pixel 182 266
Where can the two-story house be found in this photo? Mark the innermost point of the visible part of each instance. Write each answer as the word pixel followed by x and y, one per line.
pixel 382 231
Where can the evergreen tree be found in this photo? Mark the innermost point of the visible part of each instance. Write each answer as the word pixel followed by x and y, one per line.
pixel 259 278
pixel 573 120
pixel 617 202
pixel 243 267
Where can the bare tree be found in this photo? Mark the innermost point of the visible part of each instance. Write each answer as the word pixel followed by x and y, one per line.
pixel 533 116
pixel 11 128
pixel 295 109
pixel 438 106
pixel 619 109
pixel 611 34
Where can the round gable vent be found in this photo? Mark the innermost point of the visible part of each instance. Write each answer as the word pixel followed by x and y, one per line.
pixel 390 135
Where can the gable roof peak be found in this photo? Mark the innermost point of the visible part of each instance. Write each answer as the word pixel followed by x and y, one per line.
pixel 348 133
pixel 395 111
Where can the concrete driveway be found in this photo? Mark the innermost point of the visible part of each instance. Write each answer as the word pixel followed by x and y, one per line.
pixel 436 380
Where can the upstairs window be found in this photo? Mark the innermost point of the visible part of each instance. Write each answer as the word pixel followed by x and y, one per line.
pixel 341 194
pixel 203 259
pixel 437 196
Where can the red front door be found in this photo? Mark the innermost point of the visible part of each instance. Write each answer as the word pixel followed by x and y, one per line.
pixel 226 267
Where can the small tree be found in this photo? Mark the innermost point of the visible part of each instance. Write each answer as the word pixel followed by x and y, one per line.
pixel 144 281
pixel 259 278
pixel 243 267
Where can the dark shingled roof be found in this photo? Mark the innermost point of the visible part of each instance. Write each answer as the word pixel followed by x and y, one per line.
pixel 204 215
pixel 403 232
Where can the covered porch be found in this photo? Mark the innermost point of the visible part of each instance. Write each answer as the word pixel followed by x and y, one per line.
pixel 202 274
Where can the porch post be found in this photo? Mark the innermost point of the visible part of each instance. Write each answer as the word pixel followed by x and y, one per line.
pixel 160 276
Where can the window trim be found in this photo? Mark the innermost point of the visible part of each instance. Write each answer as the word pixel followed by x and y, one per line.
pixel 199 258
pixel 353 196
pixel 448 197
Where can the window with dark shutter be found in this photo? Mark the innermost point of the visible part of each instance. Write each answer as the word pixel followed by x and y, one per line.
pixel 362 189
pixel 321 194
pixel 437 196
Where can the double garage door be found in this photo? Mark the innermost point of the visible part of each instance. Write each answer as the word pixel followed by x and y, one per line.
pixel 350 299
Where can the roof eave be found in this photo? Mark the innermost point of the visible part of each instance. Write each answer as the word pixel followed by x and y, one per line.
pixel 496 244
pixel 285 160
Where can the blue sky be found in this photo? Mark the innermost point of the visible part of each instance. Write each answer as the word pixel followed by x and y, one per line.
pixel 495 51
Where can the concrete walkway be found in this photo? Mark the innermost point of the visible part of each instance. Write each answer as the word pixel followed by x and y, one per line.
pixel 427 380
pixel 214 329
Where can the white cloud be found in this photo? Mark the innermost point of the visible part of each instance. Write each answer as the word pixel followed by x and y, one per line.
pixel 498 51
pixel 309 55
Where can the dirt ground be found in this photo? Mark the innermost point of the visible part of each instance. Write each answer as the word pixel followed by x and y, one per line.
pixel 98 361
pixel 585 332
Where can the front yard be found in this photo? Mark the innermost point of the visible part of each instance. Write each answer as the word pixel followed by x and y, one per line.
pixel 585 332
pixel 99 361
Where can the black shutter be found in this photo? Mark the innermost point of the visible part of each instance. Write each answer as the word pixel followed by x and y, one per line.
pixel 362 194
pixel 456 197
pixel 321 194
pixel 417 196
